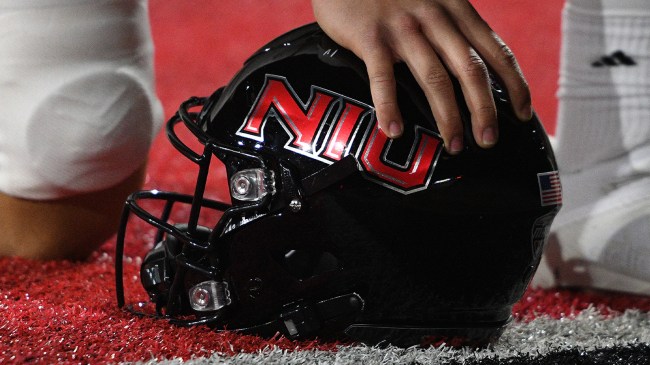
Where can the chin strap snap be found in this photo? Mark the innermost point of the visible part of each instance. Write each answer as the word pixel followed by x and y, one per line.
pixel 303 320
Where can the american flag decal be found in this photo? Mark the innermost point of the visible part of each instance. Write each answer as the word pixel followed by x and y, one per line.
pixel 550 188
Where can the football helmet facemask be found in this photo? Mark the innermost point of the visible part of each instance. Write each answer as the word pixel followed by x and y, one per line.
pixel 334 230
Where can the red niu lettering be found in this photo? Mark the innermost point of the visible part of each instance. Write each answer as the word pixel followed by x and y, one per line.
pixel 304 123
pixel 412 176
pixel 338 141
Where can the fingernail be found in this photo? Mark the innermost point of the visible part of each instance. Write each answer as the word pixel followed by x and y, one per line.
pixel 526 113
pixel 456 145
pixel 489 136
pixel 395 129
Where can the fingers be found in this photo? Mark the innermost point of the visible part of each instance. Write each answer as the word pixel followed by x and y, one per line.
pixel 470 70
pixel 496 54
pixel 505 65
pixel 379 63
pixel 422 49
pixel 437 39
pixel 434 80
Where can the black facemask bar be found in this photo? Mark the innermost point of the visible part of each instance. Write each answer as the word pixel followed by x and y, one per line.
pixel 343 308
pixel 189 238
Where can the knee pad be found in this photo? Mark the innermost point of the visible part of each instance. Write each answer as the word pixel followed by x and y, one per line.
pixel 81 111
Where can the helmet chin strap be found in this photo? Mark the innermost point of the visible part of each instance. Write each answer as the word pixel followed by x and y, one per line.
pixel 302 319
pixel 298 320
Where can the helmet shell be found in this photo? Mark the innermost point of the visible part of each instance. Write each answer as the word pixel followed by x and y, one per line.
pixel 426 238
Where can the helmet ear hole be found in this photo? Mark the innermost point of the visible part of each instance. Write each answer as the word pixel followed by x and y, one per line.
pixel 306 263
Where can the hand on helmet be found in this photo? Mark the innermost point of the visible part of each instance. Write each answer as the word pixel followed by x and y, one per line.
pixel 435 38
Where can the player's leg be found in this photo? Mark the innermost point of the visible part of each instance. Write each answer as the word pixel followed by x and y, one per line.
pixel 79 114
pixel 66 228
pixel 601 236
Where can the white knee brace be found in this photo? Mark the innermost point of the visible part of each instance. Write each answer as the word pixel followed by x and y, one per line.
pixel 79 110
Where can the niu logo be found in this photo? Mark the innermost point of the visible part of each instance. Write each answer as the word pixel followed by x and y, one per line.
pixel 330 126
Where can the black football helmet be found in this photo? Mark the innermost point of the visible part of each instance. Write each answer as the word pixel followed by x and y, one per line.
pixel 334 230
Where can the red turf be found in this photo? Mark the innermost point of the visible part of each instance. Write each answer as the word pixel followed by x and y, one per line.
pixel 55 312
pixel 66 312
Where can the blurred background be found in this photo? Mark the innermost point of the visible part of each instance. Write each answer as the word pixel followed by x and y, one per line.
pixel 201 44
